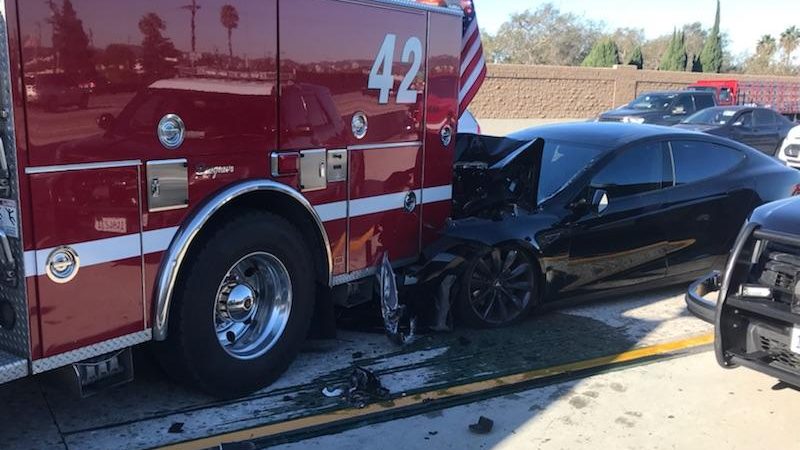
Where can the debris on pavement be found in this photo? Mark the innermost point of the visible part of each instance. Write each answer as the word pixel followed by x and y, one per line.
pixel 332 392
pixel 391 309
pixel 444 319
pixel 175 428
pixel 483 426
pixel 364 388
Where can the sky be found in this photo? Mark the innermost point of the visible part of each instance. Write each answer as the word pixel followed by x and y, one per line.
pixel 745 21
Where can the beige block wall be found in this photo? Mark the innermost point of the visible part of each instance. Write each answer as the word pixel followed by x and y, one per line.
pixel 553 92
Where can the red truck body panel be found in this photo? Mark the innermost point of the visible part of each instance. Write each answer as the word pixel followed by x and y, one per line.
pixel 287 77
pixel 783 96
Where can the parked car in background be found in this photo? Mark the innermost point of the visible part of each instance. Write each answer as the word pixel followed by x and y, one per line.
pixel 468 124
pixel 54 90
pixel 588 209
pixel 661 108
pixel 783 96
pixel 757 311
pixel 790 149
pixel 761 128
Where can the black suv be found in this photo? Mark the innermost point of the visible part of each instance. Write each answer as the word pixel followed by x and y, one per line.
pixel 757 312
pixel 661 108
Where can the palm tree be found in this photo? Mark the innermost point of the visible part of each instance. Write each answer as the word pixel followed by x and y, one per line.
pixel 767 46
pixel 790 41
pixel 229 17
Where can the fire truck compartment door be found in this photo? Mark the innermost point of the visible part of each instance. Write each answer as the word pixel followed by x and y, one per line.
pixel 353 77
pixel 87 232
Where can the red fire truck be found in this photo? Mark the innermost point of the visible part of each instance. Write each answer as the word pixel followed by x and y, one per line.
pixel 226 168
pixel 783 96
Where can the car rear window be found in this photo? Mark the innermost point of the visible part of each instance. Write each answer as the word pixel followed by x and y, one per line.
pixel 695 161
pixel 703 101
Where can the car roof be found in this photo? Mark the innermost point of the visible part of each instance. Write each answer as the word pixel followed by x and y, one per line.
pixel 608 135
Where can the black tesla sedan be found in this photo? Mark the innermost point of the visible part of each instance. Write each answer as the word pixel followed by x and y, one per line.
pixel 585 209
pixel 761 128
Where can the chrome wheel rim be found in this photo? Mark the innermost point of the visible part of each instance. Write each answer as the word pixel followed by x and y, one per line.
pixel 501 286
pixel 252 306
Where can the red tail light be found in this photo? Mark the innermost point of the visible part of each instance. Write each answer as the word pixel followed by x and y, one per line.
pixel 796 190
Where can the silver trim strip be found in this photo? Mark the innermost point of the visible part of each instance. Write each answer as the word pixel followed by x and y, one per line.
pixel 188 231
pixel 84 353
pixel 450 10
pixel 385 146
pixel 85 166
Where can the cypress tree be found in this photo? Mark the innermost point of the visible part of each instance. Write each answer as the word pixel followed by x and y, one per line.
pixel 637 59
pixel 711 56
pixel 604 53
pixel 675 56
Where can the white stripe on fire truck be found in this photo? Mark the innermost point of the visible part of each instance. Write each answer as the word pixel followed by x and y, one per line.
pixel 381 203
pixel 118 248
pixel 103 251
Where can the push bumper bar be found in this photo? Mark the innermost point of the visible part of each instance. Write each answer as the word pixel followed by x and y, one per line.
pixel 698 305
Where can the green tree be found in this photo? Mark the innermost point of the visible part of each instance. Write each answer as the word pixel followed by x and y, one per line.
pixel 789 42
pixel 229 17
pixel 711 57
pixel 605 53
pixel 675 56
pixel 637 59
pixel 543 36
pixel 70 41
pixel 763 60
pixel 159 55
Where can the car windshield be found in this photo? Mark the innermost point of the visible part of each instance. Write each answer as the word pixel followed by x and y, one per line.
pixel 652 102
pixel 711 116
pixel 562 162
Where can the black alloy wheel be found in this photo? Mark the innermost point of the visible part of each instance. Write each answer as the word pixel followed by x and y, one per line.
pixel 498 288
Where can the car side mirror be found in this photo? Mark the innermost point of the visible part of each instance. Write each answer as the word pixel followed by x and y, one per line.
pixel 599 201
pixel 105 121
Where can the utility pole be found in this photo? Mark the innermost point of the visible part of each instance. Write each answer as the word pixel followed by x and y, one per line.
pixel 193 8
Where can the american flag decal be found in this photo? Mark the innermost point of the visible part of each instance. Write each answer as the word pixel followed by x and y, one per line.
pixel 473 64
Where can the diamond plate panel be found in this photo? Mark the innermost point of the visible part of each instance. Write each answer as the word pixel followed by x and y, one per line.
pixel 16 340
pixel 111 345
pixel 12 367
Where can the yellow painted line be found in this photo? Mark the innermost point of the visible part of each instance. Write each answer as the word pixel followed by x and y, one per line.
pixel 454 391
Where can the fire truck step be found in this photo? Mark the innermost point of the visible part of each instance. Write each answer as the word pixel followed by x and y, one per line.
pixel 12 367
pixel 89 377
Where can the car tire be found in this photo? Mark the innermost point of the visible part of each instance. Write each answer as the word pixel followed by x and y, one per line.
pixel 218 341
pixel 499 287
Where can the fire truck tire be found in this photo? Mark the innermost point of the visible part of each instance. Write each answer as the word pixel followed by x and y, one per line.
pixel 498 288
pixel 242 306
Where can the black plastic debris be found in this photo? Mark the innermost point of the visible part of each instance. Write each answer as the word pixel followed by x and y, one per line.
pixel 483 426
pixel 391 309
pixel 175 428
pixel 365 387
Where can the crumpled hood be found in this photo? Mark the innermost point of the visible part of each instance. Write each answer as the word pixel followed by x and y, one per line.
pixel 782 216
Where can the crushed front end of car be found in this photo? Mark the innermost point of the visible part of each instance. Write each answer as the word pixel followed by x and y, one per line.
pixel 494 185
pixel 757 312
